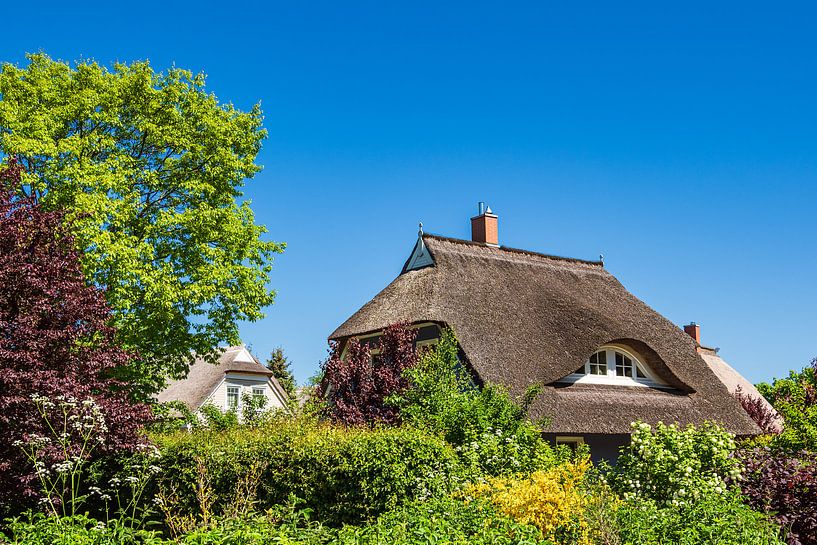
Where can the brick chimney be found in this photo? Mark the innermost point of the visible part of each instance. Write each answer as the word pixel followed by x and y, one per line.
pixel 485 226
pixel 694 331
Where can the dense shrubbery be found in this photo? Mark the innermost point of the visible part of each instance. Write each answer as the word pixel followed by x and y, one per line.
pixel 355 387
pixel 721 519
pixel 675 466
pixel 551 500
pixel 675 483
pixel 76 530
pixel 465 466
pixel 342 475
pixel 55 342
pixel 784 484
pixel 795 398
pixel 489 430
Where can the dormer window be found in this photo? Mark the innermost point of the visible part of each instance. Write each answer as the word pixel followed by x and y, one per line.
pixel 615 364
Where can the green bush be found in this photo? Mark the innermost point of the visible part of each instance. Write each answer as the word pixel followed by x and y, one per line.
pixel 341 475
pixel 76 530
pixel 715 519
pixel 673 465
pixel 489 430
pixel 795 398
pixel 217 420
pixel 441 520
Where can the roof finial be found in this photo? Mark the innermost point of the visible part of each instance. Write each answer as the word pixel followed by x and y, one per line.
pixel 420 232
pixel 601 258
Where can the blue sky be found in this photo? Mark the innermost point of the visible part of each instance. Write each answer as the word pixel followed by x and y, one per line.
pixel 680 142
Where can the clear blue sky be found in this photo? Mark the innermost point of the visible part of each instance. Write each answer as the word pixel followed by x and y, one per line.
pixel 680 142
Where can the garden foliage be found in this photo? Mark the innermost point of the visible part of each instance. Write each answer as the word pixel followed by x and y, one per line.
pixel 148 168
pixel 341 475
pixel 75 530
pixel 56 341
pixel 551 500
pixel 783 484
pixel 758 410
pixel 677 486
pixel 489 430
pixel 712 519
pixel 795 398
pixel 355 385
pixel 675 466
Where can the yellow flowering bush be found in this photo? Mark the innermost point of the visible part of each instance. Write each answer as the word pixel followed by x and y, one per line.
pixel 552 500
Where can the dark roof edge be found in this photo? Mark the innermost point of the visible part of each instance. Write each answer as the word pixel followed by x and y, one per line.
pixel 514 250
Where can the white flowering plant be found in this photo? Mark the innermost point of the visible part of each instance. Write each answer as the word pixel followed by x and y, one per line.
pixel 75 429
pixel 123 497
pixel 676 466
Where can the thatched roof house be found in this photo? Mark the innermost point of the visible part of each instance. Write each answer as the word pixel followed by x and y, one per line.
pixel 605 358
pixel 225 383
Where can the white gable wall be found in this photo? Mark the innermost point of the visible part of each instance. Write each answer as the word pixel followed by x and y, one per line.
pixel 246 382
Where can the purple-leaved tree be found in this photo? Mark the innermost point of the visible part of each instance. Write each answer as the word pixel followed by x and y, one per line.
pixel 355 387
pixel 54 338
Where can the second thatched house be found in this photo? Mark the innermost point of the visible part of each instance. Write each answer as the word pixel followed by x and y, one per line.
pixel 226 384
pixel 524 318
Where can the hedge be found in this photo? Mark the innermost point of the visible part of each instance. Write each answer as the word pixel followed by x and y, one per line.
pixel 341 475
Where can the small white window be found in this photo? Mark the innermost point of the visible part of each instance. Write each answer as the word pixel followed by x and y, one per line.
pixel 233 397
pixel 615 365
pixel 258 393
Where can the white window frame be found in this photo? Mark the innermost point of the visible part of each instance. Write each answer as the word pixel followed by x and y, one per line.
pixel 238 397
pixel 650 380
pixel 259 391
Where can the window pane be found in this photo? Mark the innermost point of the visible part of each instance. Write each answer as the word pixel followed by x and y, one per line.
pixel 639 372
pixel 598 363
pixel 624 366
pixel 232 397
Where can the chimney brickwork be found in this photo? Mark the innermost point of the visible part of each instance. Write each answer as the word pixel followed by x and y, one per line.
pixel 694 331
pixel 485 227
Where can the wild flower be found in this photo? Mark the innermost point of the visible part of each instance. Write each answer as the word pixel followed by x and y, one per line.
pixel 67 449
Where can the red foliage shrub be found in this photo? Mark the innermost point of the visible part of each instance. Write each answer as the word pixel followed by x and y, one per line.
pixel 355 388
pixel 785 486
pixel 759 411
pixel 54 337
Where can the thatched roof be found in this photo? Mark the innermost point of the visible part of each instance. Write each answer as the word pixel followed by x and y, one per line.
pixel 203 377
pixel 524 318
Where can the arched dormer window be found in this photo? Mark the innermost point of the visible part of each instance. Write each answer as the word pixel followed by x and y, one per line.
pixel 615 364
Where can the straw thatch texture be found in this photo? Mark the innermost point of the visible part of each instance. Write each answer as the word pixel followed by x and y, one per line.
pixel 524 318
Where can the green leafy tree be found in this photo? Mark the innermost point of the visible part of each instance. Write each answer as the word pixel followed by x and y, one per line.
pixel 490 431
pixel 795 398
pixel 280 367
pixel 149 168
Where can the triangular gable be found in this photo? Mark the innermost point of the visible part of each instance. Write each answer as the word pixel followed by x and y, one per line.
pixel 244 356
pixel 420 256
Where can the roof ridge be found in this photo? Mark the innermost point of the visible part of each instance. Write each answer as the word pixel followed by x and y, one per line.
pixel 514 250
